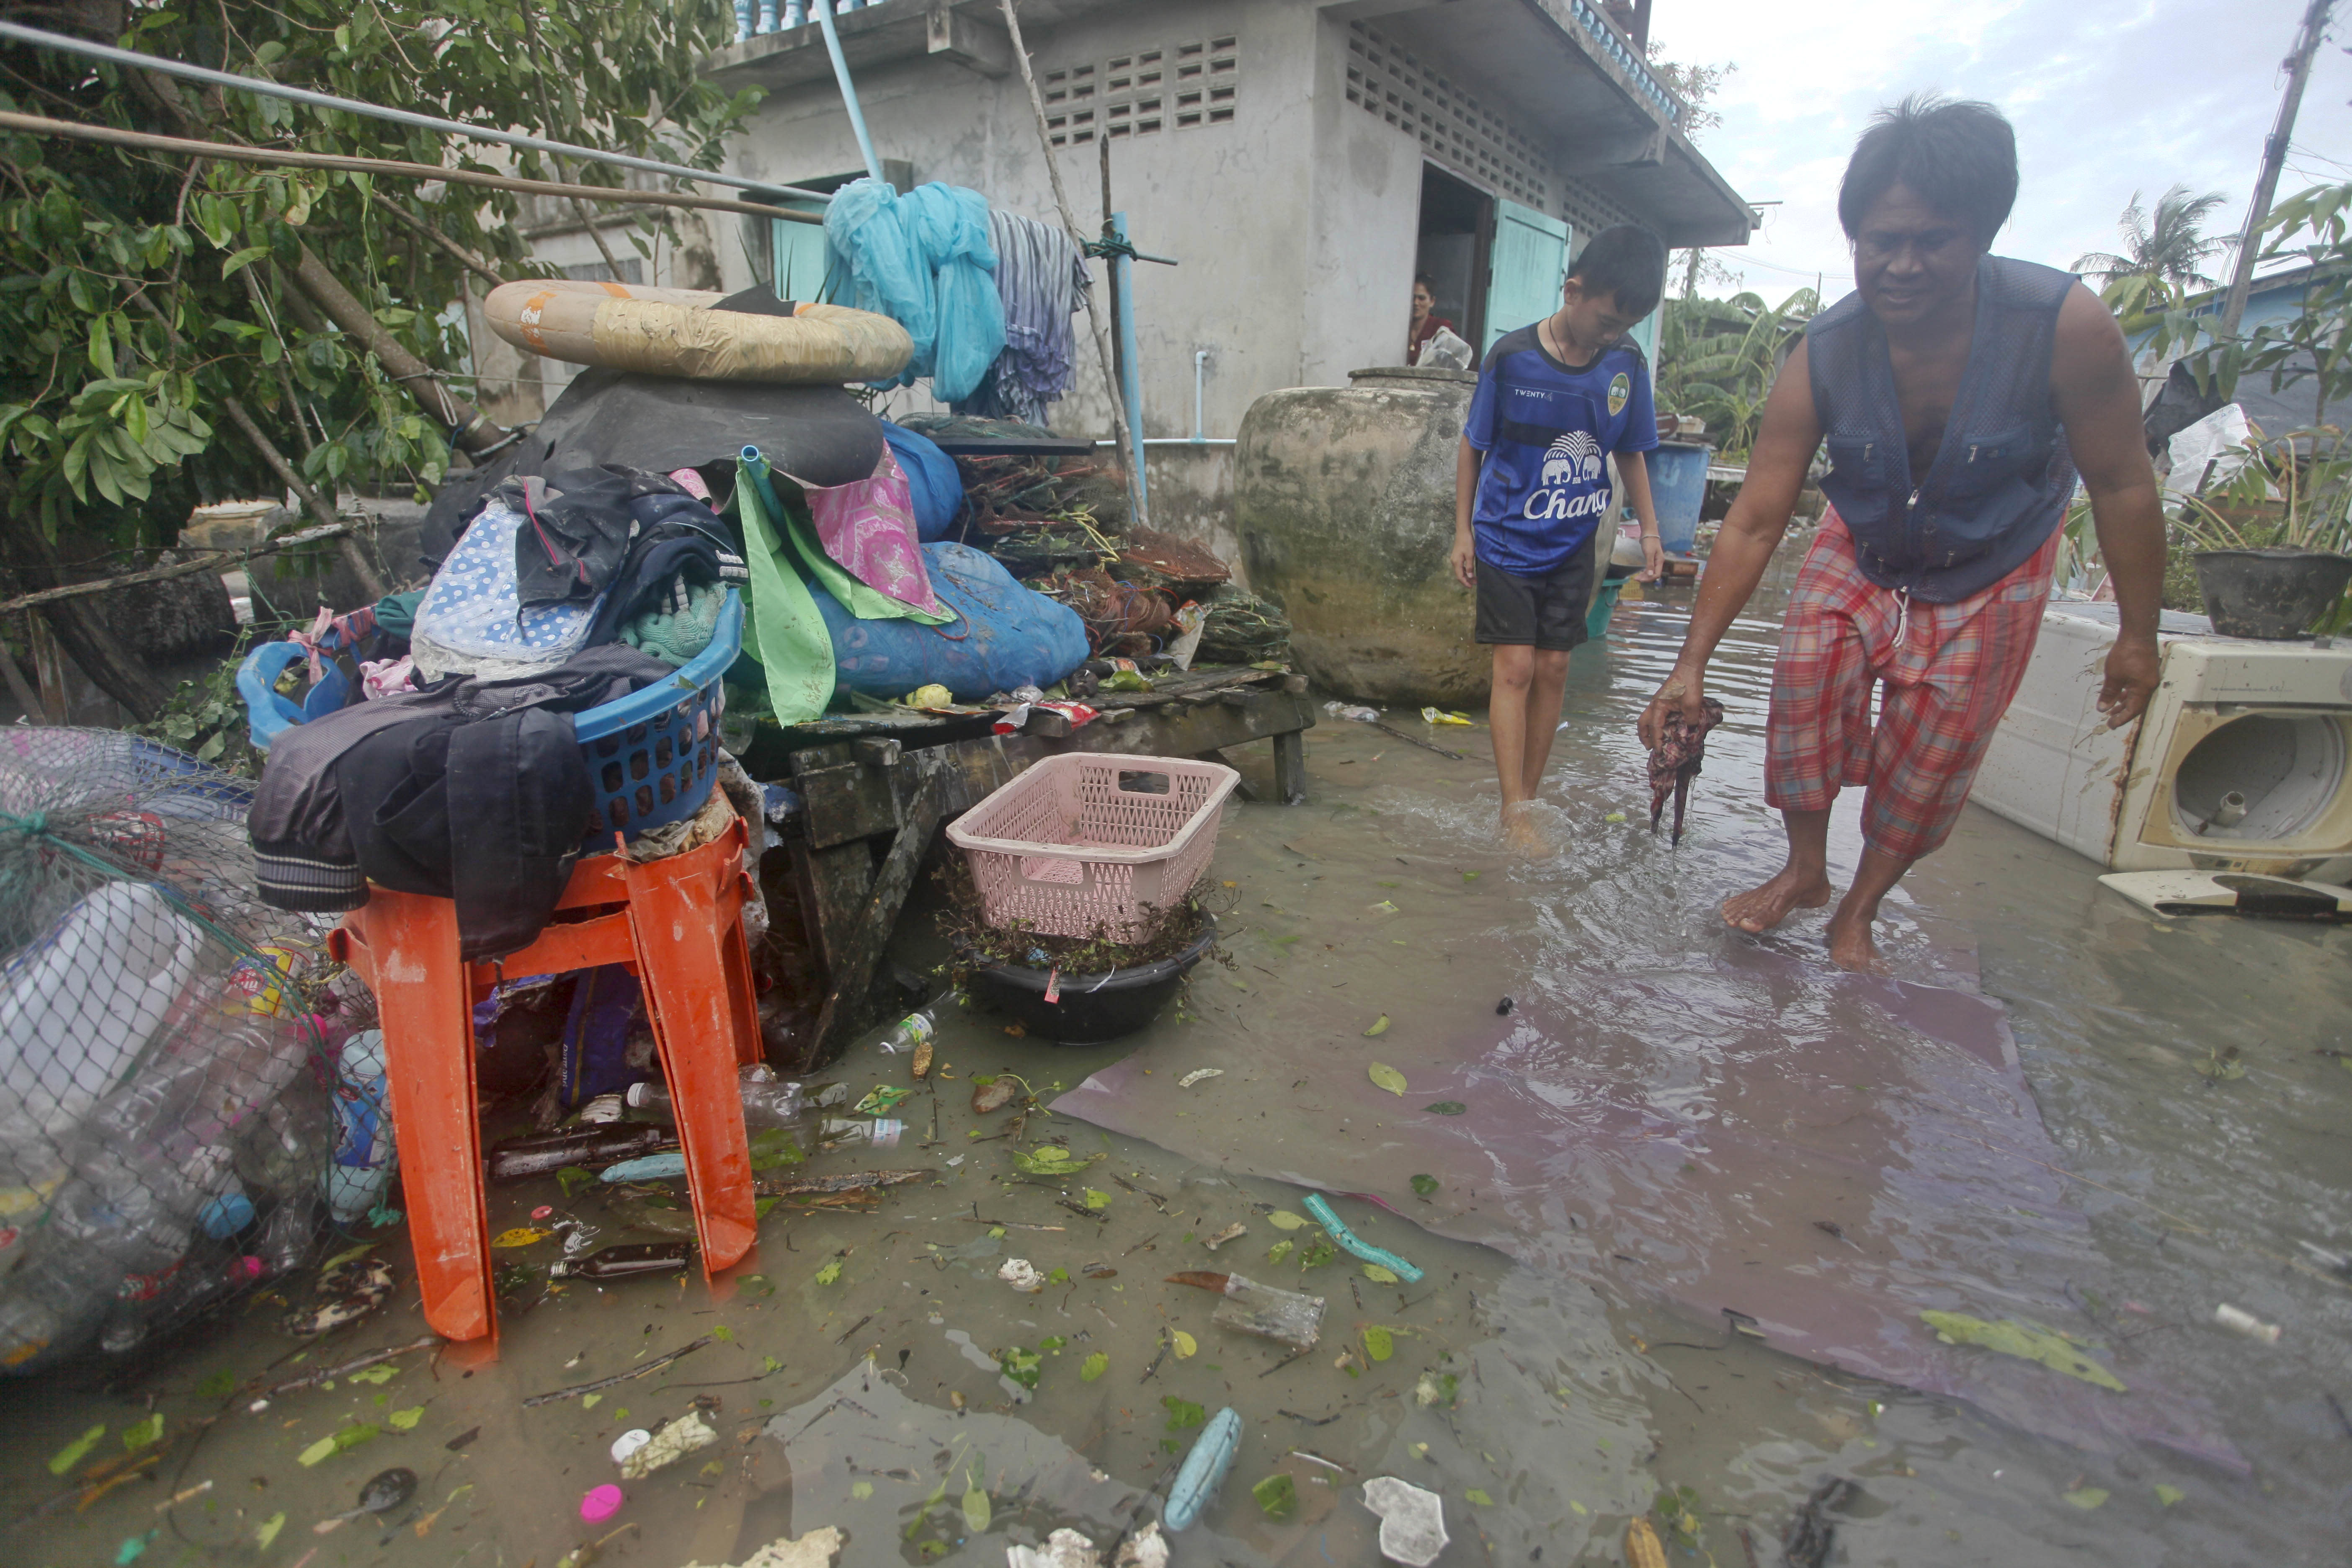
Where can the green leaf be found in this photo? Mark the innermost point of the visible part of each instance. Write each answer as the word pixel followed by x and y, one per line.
pixel 1182 1414
pixel 219 1385
pixel 380 1374
pixel 1279 1251
pixel 239 261
pixel 266 1536
pixel 1381 1027
pixel 861 1490
pixel 1283 1219
pixel 721 1331
pixel 1053 1342
pixel 1278 1496
pixel 590 1401
pixel 1478 1496
pixel 1387 1077
pixel 72 1454
pixel 1051 1160
pixel 2029 1342
pixel 1097 1199
pixel 976 1511
pixel 1377 1275
pixel 1425 1184
pixel 573 1178
pixel 315 1453
pixel 146 1433
pixel 1094 1367
pixel 2086 1497
pixel 406 1420
pixel 2166 1496
pixel 1379 1344
pixel 830 1272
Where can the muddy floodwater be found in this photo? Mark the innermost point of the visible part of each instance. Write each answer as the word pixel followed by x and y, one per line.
pixel 1669 1120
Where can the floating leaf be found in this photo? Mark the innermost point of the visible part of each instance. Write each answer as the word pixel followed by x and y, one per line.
pixel 1379 1344
pixel 2027 1341
pixel 1278 1496
pixel 379 1375
pixel 1381 1027
pixel 1058 1276
pixel 1478 1496
pixel 1446 1108
pixel 590 1401
pixel 1469 875
pixel 267 1534
pixel 2222 1063
pixel 144 1435
pixel 1186 1345
pixel 861 1490
pixel 317 1451
pixel 1383 908
pixel 522 1236
pixel 1377 1275
pixel 349 1252
pixel 769 1364
pixel 2086 1497
pixel 1097 1198
pixel 1318 1252
pixel 406 1420
pixel 67 1458
pixel 1436 1388
pixel 1182 1414
pixel 1387 1077
pixel 1425 1184
pixel 1051 1160
pixel 1283 1219
pixel 2166 1495
pixel 721 1331
pixel 1615 816
pixel 1279 1251
pixel 830 1272
pixel 1094 1367
pixel 219 1385
pixel 976 1511
pixel 772 1146
pixel 573 1178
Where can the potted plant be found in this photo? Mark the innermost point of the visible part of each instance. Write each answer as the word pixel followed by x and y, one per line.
pixel 2270 540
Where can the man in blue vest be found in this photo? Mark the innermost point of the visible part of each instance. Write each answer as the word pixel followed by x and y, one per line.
pixel 1961 395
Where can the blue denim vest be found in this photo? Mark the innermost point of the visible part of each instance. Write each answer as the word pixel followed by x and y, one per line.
pixel 2001 480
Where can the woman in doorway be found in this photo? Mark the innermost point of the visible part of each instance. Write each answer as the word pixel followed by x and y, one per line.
pixel 1426 322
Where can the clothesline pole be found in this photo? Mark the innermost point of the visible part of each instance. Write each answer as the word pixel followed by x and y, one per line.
pixel 1136 502
pixel 1131 378
pixel 824 9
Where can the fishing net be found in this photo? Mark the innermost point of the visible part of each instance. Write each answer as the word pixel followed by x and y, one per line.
pixel 1006 491
pixel 1243 628
pixel 166 1128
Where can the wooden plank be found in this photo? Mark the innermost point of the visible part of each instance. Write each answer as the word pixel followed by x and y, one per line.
pixel 852 801
pixel 869 934
pixel 1290 767
pixel 834 884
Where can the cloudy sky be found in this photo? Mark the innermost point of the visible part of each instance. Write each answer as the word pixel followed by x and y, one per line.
pixel 2108 97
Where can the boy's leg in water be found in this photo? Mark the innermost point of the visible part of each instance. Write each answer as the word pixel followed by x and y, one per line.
pixel 1546 686
pixel 1506 717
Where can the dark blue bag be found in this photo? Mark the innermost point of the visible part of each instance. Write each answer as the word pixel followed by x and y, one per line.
pixel 931 478
pixel 1004 636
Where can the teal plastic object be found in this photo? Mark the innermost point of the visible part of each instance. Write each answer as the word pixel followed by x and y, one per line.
pixel 1204 1469
pixel 651 1168
pixel 1356 1245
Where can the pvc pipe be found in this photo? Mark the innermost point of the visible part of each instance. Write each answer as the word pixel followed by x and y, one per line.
pixel 1200 375
pixel 824 9
pixel 137 61
pixel 1179 441
pixel 1131 376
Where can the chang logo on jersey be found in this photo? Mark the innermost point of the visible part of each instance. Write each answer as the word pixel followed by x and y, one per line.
pixel 1572 464
pixel 1573 460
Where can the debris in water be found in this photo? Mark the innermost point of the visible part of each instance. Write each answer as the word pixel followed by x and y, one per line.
pixel 1806 1542
pixel 1413 1522
pixel 656 1364
pixel 1147 1548
pixel 817 1549
pixel 1022 1275
pixel 1504 1007
pixel 1051 1160
pixel 2030 1341
pixel 1066 1548
pixel 628 1442
pixel 1643 1548
pixel 385 1490
pixel 602 1503
pixel 1675 760
pixel 2239 1321
pixel 1423 1185
pixel 462 1439
pixel 625 1262
pixel 2223 1064
pixel 922 1068
pixel 1446 1108
pixel 1381 1027
pixel 671 1443
pixel 1379 1256
pixel 1284 1316
pixel 354 1286
pixel 1226 1234
pixel 1203 1470
pixel 1197 1075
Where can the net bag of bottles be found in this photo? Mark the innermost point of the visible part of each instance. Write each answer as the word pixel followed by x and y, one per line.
pixel 166 1131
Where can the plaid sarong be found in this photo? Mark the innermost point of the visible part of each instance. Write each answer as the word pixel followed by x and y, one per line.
pixel 1948 672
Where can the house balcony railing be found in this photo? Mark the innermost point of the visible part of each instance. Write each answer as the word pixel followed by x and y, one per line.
pixel 755 16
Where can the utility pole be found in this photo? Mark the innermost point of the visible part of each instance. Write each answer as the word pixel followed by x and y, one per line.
pixel 2298 71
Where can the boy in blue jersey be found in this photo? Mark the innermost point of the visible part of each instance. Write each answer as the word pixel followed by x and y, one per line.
pixel 1531 489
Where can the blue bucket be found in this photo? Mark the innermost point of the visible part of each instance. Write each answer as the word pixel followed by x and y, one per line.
pixel 1678 489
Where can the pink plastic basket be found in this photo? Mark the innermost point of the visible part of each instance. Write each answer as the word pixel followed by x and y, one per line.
pixel 1091 842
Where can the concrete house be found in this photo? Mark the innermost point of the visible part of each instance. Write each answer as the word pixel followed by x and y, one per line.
pixel 1301 160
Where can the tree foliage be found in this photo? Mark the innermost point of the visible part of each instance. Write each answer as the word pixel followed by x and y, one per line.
pixel 2169 245
pixel 140 291
pixel 1717 360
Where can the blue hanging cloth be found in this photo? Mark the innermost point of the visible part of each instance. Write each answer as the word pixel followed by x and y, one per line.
pixel 923 259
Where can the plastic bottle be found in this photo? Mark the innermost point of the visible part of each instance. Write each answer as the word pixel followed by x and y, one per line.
pixel 621 1262
pixel 912 1031
pixel 766 1101
pixel 1355 711
pixel 882 1132
pixel 604 1144
pixel 188 1291
pixel 364 1151
pixel 1261 1310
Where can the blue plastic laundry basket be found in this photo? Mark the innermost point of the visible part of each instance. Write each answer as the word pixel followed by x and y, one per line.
pixel 651 756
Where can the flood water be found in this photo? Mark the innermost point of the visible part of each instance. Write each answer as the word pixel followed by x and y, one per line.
pixel 1665 1106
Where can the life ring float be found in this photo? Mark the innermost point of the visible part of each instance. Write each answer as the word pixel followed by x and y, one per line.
pixel 677 331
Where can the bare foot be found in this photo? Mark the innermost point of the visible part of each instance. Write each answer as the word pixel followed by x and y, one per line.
pixel 1523 833
pixel 1761 908
pixel 1851 946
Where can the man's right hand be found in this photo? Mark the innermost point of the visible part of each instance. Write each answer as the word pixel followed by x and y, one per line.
pixel 1465 559
pixel 1683 692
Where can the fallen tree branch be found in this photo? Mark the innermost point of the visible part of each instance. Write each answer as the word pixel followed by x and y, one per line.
pixel 358 1363
pixel 654 1365
pixel 211 560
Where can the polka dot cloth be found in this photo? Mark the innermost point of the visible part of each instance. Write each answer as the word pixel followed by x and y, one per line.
pixel 470 620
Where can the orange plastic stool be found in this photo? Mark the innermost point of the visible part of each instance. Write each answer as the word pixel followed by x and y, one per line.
pixel 677 924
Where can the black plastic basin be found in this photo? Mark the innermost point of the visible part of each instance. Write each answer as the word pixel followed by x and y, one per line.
pixel 2271 593
pixel 1093 1007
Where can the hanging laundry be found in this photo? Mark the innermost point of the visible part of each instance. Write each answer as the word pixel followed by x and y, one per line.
pixel 923 259
pixel 1040 278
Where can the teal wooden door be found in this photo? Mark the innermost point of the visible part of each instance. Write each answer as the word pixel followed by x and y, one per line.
pixel 1528 266
pixel 799 251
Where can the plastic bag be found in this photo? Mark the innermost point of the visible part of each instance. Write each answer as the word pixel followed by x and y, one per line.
pixel 933 481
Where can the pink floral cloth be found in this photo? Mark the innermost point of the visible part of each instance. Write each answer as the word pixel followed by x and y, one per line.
pixel 870 527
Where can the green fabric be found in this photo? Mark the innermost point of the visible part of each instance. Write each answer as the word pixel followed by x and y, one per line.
pixel 782 628
pixel 397 613
pixel 676 638
pixel 868 603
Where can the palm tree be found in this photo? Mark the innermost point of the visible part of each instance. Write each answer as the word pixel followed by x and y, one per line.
pixel 2168 247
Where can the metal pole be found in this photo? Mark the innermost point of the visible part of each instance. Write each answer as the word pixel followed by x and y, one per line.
pixel 1200 377
pixel 824 9
pixel 1131 377
pixel 2298 71
pixel 136 61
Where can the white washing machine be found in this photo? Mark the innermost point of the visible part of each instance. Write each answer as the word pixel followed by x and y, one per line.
pixel 2240 770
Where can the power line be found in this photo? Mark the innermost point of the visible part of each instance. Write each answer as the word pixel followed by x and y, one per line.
pixel 137 61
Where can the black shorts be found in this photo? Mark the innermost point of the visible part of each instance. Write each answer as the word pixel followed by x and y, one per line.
pixel 1545 612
